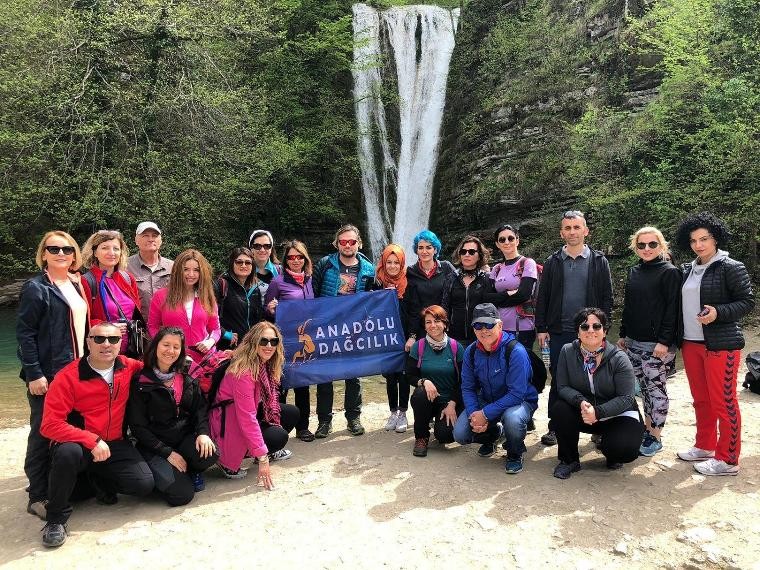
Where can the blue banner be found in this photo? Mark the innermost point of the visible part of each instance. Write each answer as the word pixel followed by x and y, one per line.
pixel 332 338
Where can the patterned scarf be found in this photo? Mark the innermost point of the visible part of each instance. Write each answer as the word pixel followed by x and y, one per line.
pixel 428 274
pixel 589 358
pixel 297 277
pixel 270 393
pixel 437 345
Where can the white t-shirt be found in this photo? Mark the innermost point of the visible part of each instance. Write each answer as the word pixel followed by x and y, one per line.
pixel 78 307
pixel 106 373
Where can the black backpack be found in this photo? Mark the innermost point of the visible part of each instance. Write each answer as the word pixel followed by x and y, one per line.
pixel 538 378
pixel 752 378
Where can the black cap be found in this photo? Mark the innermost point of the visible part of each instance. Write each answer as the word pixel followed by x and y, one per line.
pixel 485 313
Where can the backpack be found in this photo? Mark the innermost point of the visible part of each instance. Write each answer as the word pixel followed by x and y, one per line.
pixel 538 378
pixel 216 382
pixel 94 292
pixel 454 350
pixel 752 378
pixel 528 308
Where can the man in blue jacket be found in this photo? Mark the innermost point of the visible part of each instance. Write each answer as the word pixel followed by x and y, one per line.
pixel 498 396
pixel 344 272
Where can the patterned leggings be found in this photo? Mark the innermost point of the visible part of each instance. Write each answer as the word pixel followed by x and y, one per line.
pixel 652 376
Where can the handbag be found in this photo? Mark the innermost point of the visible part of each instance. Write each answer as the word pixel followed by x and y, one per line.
pixel 137 332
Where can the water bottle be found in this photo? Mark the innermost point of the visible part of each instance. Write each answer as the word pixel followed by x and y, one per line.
pixel 545 355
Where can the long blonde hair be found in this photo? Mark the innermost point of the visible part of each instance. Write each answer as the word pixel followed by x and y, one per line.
pixel 246 356
pixel 175 295
pixel 92 243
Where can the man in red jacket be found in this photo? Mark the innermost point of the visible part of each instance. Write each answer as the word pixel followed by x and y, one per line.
pixel 84 419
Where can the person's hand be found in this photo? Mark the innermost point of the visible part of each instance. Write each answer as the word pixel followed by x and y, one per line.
pixel 205 446
pixel 272 306
pixel 101 451
pixel 711 315
pixel 588 414
pixel 205 345
pixel 234 339
pixel 38 387
pixel 449 414
pixel 543 338
pixel 621 343
pixel 478 421
pixel 409 344
pixel 660 350
pixel 177 461
pixel 430 390
pixel 265 476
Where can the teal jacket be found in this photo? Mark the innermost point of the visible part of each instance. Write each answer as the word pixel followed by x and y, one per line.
pixel 326 275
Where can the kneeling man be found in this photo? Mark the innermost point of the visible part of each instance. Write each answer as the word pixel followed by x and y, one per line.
pixel 84 419
pixel 496 391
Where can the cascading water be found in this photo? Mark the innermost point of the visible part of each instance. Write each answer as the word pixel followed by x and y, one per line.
pixel 421 40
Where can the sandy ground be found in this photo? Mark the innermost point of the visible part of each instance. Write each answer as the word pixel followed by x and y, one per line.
pixel 366 502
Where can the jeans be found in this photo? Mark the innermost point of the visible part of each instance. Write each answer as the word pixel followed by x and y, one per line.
pixel 352 401
pixel 556 342
pixel 514 423
pixel 397 387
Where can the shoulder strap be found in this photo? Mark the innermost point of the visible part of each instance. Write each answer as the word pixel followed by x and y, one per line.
pixel 454 349
pixel 92 283
pixel 420 350
pixel 520 266
pixel 127 277
pixel 508 351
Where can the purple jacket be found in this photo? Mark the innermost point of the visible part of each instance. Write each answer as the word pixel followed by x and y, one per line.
pixel 285 287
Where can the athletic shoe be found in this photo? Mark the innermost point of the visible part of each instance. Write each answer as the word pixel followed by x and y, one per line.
pixel 420 446
pixel 531 425
pixel 695 454
pixel 549 438
pixel 355 427
pixel 37 508
pixel 280 455
pixel 402 423
pixel 514 465
pixel 199 483
pixel 565 470
pixel 716 467
pixel 54 534
pixel 390 425
pixel 230 474
pixel 487 450
pixel 305 435
pixel 650 446
pixel 596 439
pixel 323 429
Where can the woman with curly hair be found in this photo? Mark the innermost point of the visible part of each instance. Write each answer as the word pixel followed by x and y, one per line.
pixel 716 294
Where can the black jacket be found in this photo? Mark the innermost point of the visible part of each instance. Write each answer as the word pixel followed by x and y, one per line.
pixel 422 292
pixel 237 313
pixel 154 417
pixel 459 302
pixel 549 302
pixel 44 329
pixel 727 287
pixel 652 302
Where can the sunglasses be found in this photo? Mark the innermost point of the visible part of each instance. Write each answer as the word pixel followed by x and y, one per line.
pixel 56 249
pixel 505 239
pixel 481 326
pixel 100 339
pixel 345 242
pixel 464 251
pixel 243 262
pixel 294 257
pixel 645 244
pixel 596 326
pixel 264 341
pixel 260 246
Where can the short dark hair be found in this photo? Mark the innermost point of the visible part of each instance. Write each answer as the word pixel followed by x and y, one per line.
pixel 437 312
pixel 503 227
pixel 717 228
pixel 583 315
pixel 151 360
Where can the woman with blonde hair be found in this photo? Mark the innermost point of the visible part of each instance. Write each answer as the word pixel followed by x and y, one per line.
pixel 50 329
pixel 246 415
pixel 649 328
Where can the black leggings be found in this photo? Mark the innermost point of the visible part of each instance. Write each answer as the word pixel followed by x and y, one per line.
pixel 275 437
pixel 397 387
pixel 424 411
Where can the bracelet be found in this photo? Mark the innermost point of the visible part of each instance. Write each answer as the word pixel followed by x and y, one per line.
pixel 263 459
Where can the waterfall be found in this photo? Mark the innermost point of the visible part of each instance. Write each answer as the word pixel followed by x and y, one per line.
pixel 398 189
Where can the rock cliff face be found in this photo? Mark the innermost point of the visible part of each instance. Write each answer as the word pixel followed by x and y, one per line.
pixel 523 73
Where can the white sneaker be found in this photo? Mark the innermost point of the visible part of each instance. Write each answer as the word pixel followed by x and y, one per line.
pixel 716 467
pixel 401 423
pixel 390 425
pixel 280 455
pixel 695 454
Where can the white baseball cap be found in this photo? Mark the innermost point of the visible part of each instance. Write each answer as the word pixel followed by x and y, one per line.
pixel 146 226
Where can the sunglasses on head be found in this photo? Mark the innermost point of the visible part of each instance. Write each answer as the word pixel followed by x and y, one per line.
pixel 100 339
pixel 345 242
pixel 649 244
pixel 56 249
pixel 595 326
pixel 504 239
pixel 481 326
pixel 243 262
pixel 260 246
pixel 264 341
pixel 294 257
pixel 464 251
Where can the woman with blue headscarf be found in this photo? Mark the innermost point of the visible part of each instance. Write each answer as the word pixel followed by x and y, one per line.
pixel 425 281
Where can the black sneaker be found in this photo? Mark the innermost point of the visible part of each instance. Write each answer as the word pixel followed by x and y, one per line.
pixel 355 427
pixel 549 438
pixel 531 425
pixel 564 470
pixel 614 465
pixel 106 498
pixel 323 429
pixel 54 534
pixel 487 450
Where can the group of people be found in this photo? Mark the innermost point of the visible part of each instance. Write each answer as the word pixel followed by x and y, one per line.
pixel 207 389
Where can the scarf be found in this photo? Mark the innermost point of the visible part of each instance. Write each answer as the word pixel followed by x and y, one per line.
pixel 589 358
pixel 428 274
pixel 297 277
pixel 437 345
pixel 270 396
pixel 399 281
pixel 163 377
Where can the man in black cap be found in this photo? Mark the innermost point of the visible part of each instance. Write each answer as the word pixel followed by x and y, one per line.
pixel 498 396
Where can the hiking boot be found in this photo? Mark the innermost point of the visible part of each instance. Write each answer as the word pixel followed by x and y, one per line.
pixel 305 435
pixel 487 450
pixel 549 438
pixel 199 483
pixel 421 446
pixel 402 422
pixel 564 470
pixel 531 425
pixel 390 425
pixel 596 439
pixel 54 534
pixel 323 429
pixel 355 427
pixel 650 446
pixel 514 464
pixel 230 474
pixel 716 467
pixel 695 454
pixel 38 509
pixel 280 455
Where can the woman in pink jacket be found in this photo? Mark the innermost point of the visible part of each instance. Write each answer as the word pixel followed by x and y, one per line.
pixel 246 416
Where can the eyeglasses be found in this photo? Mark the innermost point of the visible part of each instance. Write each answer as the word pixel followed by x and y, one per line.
pixel 294 257
pixel 56 249
pixel 650 244
pixel 264 341
pixel 260 246
pixel 464 251
pixel 595 326
pixel 100 339
pixel 243 262
pixel 345 242
pixel 504 239
pixel 481 326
